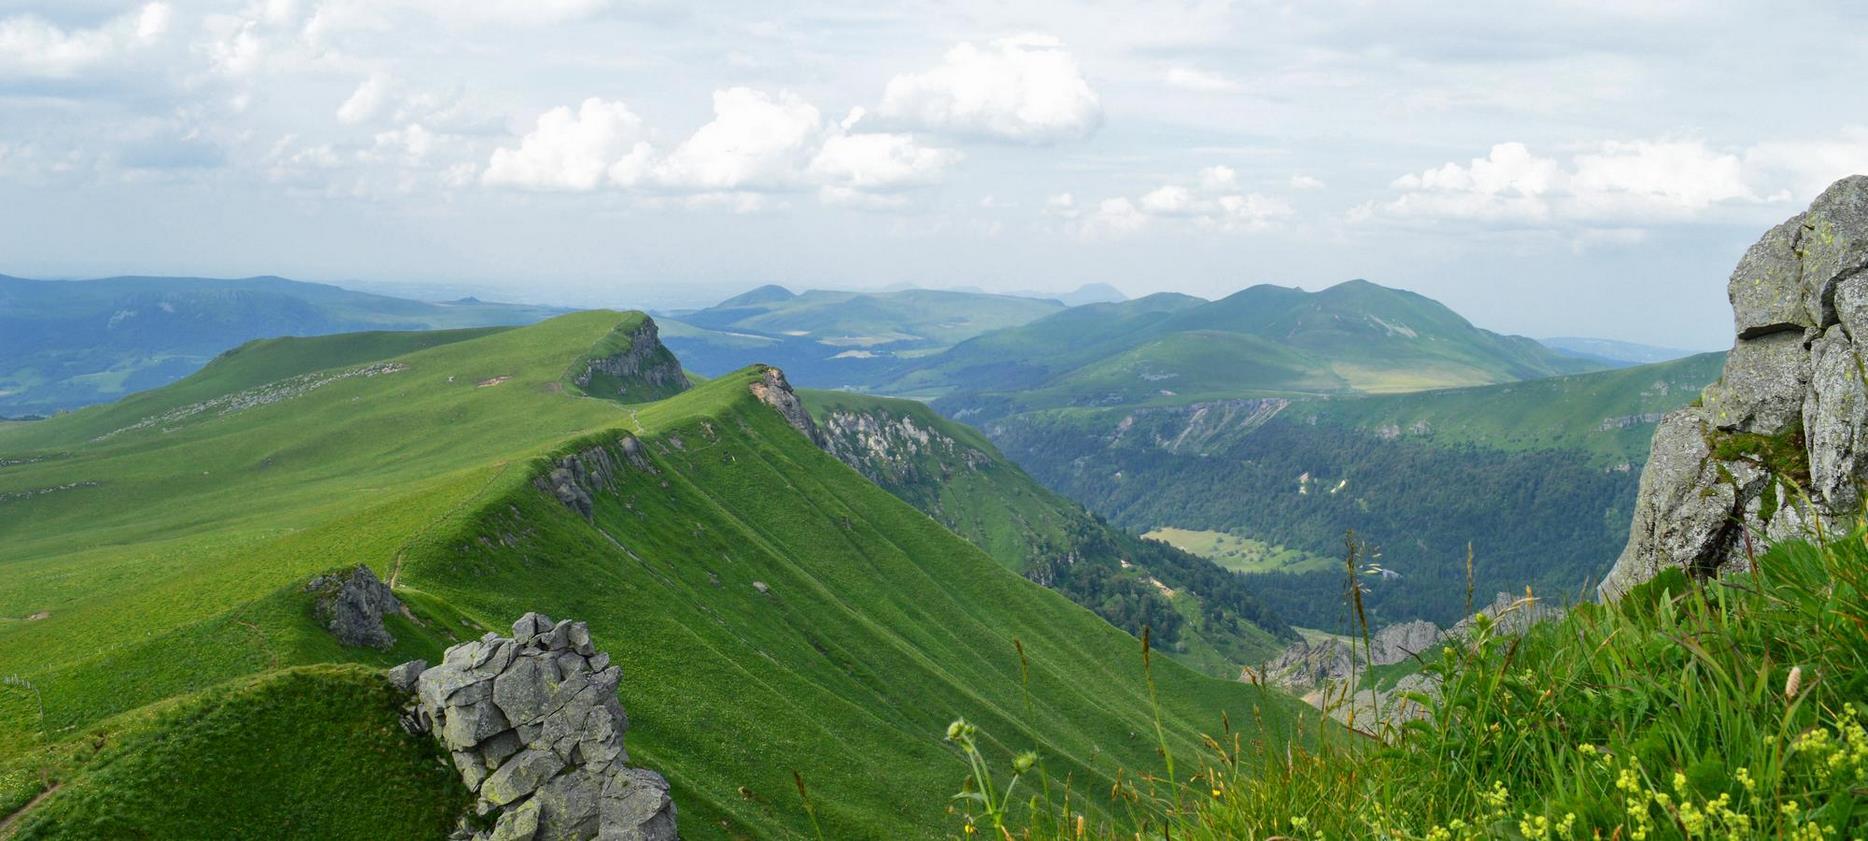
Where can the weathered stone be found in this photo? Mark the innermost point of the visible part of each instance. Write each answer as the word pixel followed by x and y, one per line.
pixel 536 730
pixel 1834 417
pixel 1763 384
pixel 529 626
pixel 352 607
pixel 773 390
pixel 403 677
pixel 521 776
pixel 636 807
pixel 1767 287
pixel 517 824
pixel 1794 379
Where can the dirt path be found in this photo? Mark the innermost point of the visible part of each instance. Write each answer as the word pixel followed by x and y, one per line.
pixel 10 821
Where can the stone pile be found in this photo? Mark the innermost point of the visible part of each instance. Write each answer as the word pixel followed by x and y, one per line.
pixel 535 728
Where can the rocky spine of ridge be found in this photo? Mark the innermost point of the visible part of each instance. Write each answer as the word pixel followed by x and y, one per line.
pixel 773 390
pixel 533 725
pixel 1774 444
pixel 645 368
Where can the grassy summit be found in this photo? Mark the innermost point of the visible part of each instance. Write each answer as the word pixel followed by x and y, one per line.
pixel 157 549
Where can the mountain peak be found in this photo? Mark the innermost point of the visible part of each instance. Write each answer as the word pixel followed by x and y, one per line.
pixel 770 293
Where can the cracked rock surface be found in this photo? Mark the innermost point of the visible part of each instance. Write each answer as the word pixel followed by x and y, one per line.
pixel 535 729
pixel 1724 477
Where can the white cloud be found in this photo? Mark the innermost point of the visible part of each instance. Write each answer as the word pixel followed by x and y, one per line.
pixel 1026 89
pixel 1212 203
pixel 31 46
pixel 755 141
pixel 575 150
pixel 1646 180
pixel 1200 81
pixel 1306 182
pixel 366 101
pixel 879 161
pixel 1806 167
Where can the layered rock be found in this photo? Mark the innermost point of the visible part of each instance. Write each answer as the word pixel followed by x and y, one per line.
pixel 535 729
pixel 641 369
pixel 773 390
pixel 352 606
pixel 1772 445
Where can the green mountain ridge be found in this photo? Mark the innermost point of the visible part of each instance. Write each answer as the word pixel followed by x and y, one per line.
pixel 150 564
pixel 1355 337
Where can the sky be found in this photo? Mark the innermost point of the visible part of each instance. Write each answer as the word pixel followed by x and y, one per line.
pixel 1587 167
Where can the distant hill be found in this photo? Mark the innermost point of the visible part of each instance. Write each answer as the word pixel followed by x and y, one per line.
pixel 1166 349
pixel 1538 476
pixel 837 339
pixel 66 344
pixel 1612 352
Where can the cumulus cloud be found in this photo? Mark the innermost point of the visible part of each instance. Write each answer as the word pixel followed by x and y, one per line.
pixel 32 47
pixel 1025 89
pixel 1211 202
pixel 756 143
pixel 1645 180
pixel 1199 81
pixel 575 150
pixel 1306 182
pixel 365 102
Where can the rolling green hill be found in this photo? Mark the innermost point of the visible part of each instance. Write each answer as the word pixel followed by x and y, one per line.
pixel 1538 476
pixel 1352 338
pixel 1197 612
pixel 772 610
pixel 65 344
pixel 835 339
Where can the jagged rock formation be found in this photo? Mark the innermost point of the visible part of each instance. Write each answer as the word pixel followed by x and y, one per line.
pixel 353 606
pixel 575 478
pixel 535 729
pixel 633 366
pixel 894 450
pixel 1723 477
pixel 774 391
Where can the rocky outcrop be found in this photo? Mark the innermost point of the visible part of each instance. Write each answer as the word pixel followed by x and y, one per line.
pixel 352 606
pixel 895 450
pixel 535 729
pixel 772 389
pixel 576 478
pixel 1724 476
pixel 633 365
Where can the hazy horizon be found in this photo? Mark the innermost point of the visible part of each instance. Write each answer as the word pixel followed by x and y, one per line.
pixel 1574 168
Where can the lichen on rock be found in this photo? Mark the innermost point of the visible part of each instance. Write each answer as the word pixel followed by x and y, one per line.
pixel 1772 446
pixel 535 729
pixel 352 606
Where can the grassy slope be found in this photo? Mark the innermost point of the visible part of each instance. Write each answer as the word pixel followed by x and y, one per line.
pixel 1020 523
pixel 1241 554
pixel 181 569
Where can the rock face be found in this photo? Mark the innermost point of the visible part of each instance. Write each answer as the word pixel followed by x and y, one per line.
pixel 353 606
pixel 534 727
pixel 640 368
pixel 774 391
pixel 576 478
pixel 1787 412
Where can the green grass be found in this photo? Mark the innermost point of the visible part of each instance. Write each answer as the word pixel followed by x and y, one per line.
pixel 1240 554
pixel 1726 709
pixel 174 564
pixel 953 474
pixel 311 752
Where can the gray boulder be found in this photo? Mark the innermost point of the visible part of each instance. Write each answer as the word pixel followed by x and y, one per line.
pixel 352 606
pixel 1733 473
pixel 536 731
